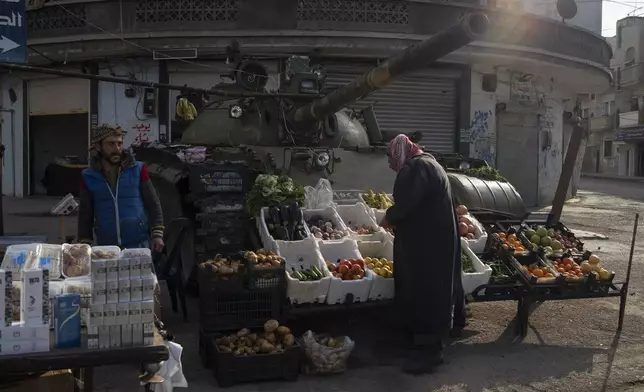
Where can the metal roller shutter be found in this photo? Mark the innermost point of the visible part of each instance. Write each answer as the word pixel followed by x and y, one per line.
pixel 425 101
pixel 58 96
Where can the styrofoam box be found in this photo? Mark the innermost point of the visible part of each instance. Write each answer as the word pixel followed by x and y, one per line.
pixel 268 242
pixel 305 253
pixel 338 289
pixel 359 215
pixel 326 213
pixel 477 245
pixel 483 272
pixel 382 288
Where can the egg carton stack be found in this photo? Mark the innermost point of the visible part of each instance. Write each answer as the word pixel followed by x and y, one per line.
pixel 122 304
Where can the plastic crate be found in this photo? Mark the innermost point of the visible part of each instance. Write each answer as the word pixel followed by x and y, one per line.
pixel 206 349
pixel 266 278
pixel 228 310
pixel 213 222
pixel 224 239
pixel 230 369
pixel 209 281
pixel 220 203
pixel 227 178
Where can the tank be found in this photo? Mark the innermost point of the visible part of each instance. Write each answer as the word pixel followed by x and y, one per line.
pixel 304 130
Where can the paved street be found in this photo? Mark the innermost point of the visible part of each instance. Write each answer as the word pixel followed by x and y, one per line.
pixel 571 346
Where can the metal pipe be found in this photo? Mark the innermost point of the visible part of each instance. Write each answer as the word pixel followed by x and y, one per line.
pixel 13 146
pixel 13 166
pixel 470 28
pixel 110 79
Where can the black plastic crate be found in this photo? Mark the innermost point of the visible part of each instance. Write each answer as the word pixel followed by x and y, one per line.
pixel 230 369
pixel 226 178
pixel 233 310
pixel 213 222
pixel 210 281
pixel 215 241
pixel 266 278
pixel 220 203
pixel 206 349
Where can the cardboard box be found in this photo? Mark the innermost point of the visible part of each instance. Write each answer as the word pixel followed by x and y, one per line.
pixel 136 289
pixel 124 290
pixel 96 315
pixel 6 298
pixel 99 293
pixel 135 268
pixel 92 337
pixel 99 271
pixel 146 266
pixel 135 313
pixel 124 269
pixel 148 288
pixel 24 347
pixel 112 270
pixel 115 336
pixel 67 320
pixel 103 337
pixel 109 314
pixel 137 334
pixel 126 335
pixel 19 331
pixel 34 304
pixel 54 381
pixel 123 313
pixel 147 311
pixel 112 292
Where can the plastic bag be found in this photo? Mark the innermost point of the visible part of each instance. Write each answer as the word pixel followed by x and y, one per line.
pixel 319 197
pixel 323 359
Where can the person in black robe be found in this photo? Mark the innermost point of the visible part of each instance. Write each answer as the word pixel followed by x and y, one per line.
pixel 426 252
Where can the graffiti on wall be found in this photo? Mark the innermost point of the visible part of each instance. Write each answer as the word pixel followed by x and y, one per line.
pixel 482 139
pixel 141 134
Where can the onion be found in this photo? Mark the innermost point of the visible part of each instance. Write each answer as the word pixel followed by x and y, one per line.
pixel 463 229
pixel 461 210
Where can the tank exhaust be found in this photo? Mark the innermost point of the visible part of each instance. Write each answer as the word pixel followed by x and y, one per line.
pixel 470 28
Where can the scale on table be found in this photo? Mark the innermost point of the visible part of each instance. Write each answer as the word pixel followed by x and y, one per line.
pixel 65 207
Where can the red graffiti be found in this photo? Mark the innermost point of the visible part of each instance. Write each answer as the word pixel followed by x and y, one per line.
pixel 142 132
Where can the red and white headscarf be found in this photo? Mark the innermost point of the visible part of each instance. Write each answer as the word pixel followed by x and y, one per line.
pixel 400 149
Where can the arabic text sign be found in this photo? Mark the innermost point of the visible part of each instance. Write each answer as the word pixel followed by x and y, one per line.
pixel 13 31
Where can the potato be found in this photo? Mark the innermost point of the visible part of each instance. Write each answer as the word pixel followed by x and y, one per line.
pixel 271 325
pixel 270 336
pixel 224 349
pixel 225 341
pixel 252 337
pixel 238 351
pixel 266 348
pixel 282 330
pixel 243 332
pixel 289 340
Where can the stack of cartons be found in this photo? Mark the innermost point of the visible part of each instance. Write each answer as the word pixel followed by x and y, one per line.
pixel 122 309
pixel 31 334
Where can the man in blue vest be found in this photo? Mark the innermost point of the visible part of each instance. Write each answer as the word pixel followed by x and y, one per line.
pixel 118 204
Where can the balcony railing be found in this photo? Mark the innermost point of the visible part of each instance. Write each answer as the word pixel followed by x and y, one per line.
pixel 631 76
pixel 120 18
pixel 628 119
pixel 603 123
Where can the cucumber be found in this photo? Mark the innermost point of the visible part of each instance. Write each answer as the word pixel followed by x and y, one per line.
pixel 317 273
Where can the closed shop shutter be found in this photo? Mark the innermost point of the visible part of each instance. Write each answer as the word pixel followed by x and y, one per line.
pixel 424 101
pixel 58 96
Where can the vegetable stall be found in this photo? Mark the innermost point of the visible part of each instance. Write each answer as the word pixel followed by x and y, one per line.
pixel 316 249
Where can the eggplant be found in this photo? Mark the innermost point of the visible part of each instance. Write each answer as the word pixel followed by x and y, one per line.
pixel 281 233
pixel 274 214
pixel 293 211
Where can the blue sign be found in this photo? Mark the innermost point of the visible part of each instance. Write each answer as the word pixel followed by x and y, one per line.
pixel 625 134
pixel 13 31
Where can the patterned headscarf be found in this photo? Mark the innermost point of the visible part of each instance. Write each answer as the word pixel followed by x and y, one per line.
pixel 101 132
pixel 400 149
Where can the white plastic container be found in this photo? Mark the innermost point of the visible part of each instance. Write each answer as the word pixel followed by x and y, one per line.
pixel 329 214
pixel 306 254
pixel 51 258
pixel 359 215
pixel 382 288
pixel 76 261
pixel 338 290
pixel 477 245
pixel 18 257
pixel 267 239
pixel 474 279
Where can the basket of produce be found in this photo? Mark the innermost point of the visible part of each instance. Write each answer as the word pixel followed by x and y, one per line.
pixel 284 223
pixel 361 223
pixel 471 230
pixel 325 224
pixel 589 270
pixel 378 201
pixel 474 273
pixel 534 269
pixel 247 356
pixel 378 215
pixel 348 275
pixel 307 278
pixel 265 269
pixel 503 279
pixel 378 257
pixel 556 239
pixel 324 354
pixel 221 273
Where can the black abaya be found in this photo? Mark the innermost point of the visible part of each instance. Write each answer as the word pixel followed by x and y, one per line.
pixel 426 247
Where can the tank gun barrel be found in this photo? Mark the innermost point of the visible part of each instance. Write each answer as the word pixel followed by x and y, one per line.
pixel 470 28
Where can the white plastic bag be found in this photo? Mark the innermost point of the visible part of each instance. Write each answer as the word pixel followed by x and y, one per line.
pixel 319 197
pixel 321 359
pixel 171 370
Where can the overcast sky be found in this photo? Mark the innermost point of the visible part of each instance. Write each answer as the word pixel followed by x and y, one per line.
pixel 615 10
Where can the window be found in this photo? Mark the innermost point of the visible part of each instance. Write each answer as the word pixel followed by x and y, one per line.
pixel 585 113
pixel 608 148
pixel 630 56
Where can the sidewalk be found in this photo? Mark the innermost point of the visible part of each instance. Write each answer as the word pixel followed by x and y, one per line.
pixel 612 177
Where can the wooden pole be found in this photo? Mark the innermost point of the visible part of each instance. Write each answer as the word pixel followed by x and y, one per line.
pixel 566 173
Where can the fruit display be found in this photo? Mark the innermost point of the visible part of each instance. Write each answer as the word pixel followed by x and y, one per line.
pixel 273 191
pixel 264 259
pixel 325 229
pixel 509 241
pixel 500 273
pixel 466 263
pixel 466 228
pixel 553 240
pixel 594 266
pixel 380 266
pixel 363 229
pixel 306 274
pixel 286 222
pixel 273 339
pixel 568 268
pixel 378 201
pixel 541 273
pixel 223 267
pixel 347 269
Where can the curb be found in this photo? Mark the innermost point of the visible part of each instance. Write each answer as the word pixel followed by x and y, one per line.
pixel 612 177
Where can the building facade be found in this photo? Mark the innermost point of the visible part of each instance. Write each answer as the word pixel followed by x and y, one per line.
pixel 589 13
pixel 506 99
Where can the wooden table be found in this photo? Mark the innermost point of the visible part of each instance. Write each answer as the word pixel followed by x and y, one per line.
pixel 83 361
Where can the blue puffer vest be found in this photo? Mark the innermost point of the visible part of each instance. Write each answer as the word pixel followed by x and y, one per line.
pixel 119 217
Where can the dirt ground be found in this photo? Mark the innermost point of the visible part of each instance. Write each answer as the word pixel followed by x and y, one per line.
pixel 571 345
